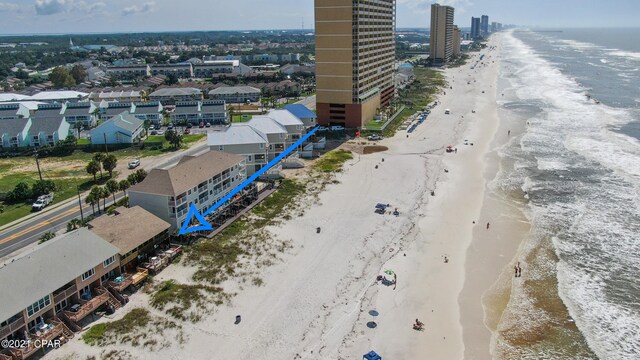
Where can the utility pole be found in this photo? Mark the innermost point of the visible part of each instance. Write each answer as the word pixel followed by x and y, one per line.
pixel 80 204
pixel 106 150
pixel 35 154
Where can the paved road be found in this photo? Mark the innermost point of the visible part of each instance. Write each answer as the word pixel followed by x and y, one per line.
pixel 29 231
pixel 309 102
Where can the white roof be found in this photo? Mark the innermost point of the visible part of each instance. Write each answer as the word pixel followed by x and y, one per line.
pixel 12 97
pixel 31 105
pixel 48 267
pixel 55 95
pixel 234 63
pixel 237 134
pixel 284 117
pixel 267 125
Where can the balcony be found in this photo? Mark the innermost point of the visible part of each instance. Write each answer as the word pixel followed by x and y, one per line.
pixel 63 294
pixel 88 306
pixel 23 353
pixel 121 282
pixel 139 276
pixel 11 328
pixel 52 331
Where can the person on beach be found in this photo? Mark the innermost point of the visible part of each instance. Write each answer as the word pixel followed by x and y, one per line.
pixel 509 133
pixel 456 150
pixel 488 226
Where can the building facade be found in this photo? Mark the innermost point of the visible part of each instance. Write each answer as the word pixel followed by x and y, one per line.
pixel 236 94
pixel 201 180
pixel 128 72
pixel 441 41
pixel 484 25
pixel 355 56
pixel 120 129
pixel 456 42
pixel 475 28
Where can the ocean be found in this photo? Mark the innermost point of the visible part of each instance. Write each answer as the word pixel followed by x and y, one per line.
pixel 575 173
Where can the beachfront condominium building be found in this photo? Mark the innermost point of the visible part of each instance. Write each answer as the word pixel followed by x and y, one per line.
pixel 200 180
pixel 484 25
pixel 457 37
pixel 475 28
pixel 355 56
pixel 441 41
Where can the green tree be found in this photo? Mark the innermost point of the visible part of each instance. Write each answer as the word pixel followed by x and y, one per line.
pixel 173 138
pixel 140 174
pixel 104 195
pixel 92 168
pixel 43 187
pixel 93 198
pixel 46 237
pixel 78 73
pixel 20 192
pixel 124 185
pixel 113 187
pixel 22 75
pixel 132 179
pixel 99 158
pixel 172 79
pixel 109 163
pixel 60 77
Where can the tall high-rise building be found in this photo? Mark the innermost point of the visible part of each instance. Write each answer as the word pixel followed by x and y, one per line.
pixel 441 36
pixel 494 27
pixel 475 28
pixel 355 57
pixel 484 25
pixel 456 41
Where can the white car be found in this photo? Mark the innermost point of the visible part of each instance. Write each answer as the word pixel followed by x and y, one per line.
pixel 160 132
pixel 447 112
pixel 134 164
pixel 337 128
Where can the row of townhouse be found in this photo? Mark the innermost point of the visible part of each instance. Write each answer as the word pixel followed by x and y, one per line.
pixel 195 112
pixel 264 137
pixel 146 111
pixel 53 288
pixel 123 128
pixel 236 94
pixel 274 58
pixel 183 70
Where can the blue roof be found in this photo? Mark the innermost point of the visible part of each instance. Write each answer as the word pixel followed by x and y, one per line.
pixel 372 356
pixel 300 111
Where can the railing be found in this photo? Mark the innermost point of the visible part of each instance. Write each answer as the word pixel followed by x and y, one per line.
pixel 140 276
pixel 120 287
pixel 5 357
pixel 11 328
pixel 25 352
pixel 65 293
pixel 89 306
pixel 56 330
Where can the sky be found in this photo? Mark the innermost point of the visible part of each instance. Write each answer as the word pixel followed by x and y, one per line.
pixel 91 16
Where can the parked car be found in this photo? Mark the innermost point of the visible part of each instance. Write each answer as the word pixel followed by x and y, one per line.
pixel 42 202
pixel 134 163
pixel 157 126
pixel 337 128
pixel 374 137
pixel 189 125
pixel 187 130
pixel 201 125
pixel 160 132
pixel 447 112
pixel 207 125
pixel 323 128
pixel 170 126
pixel 154 132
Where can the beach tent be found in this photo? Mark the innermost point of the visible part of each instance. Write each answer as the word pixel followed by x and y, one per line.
pixel 371 356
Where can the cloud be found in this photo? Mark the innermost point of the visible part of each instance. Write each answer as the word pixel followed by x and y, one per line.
pixel 8 7
pixel 135 9
pixel 50 7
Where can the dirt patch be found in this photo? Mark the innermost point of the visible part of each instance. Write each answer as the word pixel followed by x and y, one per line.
pixel 374 149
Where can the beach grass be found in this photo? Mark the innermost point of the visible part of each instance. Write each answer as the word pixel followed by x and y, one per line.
pixel 333 161
pixel 178 299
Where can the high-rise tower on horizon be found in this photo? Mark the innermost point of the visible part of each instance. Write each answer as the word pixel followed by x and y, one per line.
pixel 441 35
pixel 355 57
pixel 475 28
pixel 484 25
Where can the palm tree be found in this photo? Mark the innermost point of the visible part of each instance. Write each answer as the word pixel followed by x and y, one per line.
pixel 112 186
pixel 123 185
pixel 91 200
pixel 104 195
pixel 92 168
pixel 99 158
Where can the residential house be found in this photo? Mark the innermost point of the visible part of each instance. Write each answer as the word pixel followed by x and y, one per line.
pixel 84 113
pixel 120 129
pixel 12 97
pixel 303 113
pixel 54 285
pixel 236 94
pixel 148 111
pixel 136 233
pixel 170 96
pixel 181 70
pixel 294 126
pixel 213 112
pixel 186 112
pixel 211 68
pixel 14 133
pixel 242 139
pixel 122 95
pixel 200 180
pixel 277 135
pixel 114 109
pixel 128 71
pixel 13 111
pixel 59 96
pixel 48 131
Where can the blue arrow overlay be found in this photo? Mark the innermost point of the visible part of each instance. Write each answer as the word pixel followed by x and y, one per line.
pixel 204 225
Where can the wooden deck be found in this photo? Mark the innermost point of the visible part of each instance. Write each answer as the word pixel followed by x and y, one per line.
pixel 120 287
pixel 87 307
pixel 140 276
pixel 23 353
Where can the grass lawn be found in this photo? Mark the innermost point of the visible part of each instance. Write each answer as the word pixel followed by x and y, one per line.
pixel 333 161
pixel 375 125
pixel 238 118
pixel 84 141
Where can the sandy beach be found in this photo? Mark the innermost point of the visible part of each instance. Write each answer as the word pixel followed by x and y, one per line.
pixel 316 303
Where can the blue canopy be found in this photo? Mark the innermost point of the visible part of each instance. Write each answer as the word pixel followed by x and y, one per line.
pixel 372 356
pixel 300 111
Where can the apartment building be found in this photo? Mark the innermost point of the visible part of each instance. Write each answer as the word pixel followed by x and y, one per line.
pixel 14 111
pixel 294 126
pixel 14 133
pixel 170 96
pixel 457 38
pixel 123 95
pixel 181 70
pixel 195 112
pixel 484 25
pixel 120 129
pixel 277 136
pixel 236 94
pixel 303 113
pixel 128 72
pixel 148 111
pixel 209 68
pixel 114 109
pixel 54 286
pixel 475 28
pixel 242 139
pixel 441 40
pixel 355 56
pixel 214 112
pixel 200 180
pixel 80 113
pixel 48 132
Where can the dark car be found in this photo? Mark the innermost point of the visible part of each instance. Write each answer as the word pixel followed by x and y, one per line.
pixel 201 125
pixel 189 125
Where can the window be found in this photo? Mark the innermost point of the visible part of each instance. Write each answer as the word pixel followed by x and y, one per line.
pixel 88 274
pixel 109 261
pixel 39 305
pixel 249 157
pixel 62 305
pixel 221 148
pixel 261 146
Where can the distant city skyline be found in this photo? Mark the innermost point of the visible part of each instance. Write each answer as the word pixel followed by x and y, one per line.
pixel 114 16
